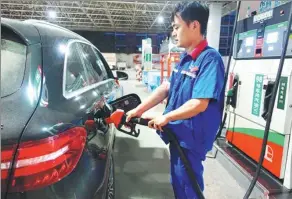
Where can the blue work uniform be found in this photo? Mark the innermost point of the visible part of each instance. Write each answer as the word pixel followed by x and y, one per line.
pixel 197 76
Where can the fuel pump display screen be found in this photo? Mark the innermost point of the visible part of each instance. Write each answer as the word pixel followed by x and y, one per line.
pixel 245 45
pixel 249 41
pixel 274 39
pixel 263 35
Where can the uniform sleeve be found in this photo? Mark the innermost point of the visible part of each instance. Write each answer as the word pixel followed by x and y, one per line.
pixel 210 80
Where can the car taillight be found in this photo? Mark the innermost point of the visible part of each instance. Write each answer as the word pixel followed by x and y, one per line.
pixel 6 157
pixel 43 162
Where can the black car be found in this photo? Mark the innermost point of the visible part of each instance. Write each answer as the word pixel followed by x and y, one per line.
pixel 52 83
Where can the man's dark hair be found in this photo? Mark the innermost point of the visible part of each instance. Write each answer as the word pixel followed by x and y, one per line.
pixel 192 11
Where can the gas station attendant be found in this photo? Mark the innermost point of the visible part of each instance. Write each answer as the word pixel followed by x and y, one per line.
pixel 195 96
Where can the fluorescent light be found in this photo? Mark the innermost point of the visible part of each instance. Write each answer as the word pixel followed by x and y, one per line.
pixel 160 19
pixel 52 14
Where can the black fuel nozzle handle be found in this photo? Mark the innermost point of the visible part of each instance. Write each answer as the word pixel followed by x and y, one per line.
pixel 141 121
pixel 132 130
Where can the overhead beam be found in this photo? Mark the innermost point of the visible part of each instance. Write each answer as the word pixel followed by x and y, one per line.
pixel 18 16
pixel 134 15
pixel 108 14
pixel 90 24
pixel 85 12
pixel 140 26
pixel 116 28
pixel 74 7
pixel 76 13
pixel 139 2
pixel 120 29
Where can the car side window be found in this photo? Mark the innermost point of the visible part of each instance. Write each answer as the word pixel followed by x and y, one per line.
pixel 101 63
pixel 76 77
pixel 93 64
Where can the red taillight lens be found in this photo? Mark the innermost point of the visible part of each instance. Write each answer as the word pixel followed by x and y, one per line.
pixel 6 158
pixel 43 162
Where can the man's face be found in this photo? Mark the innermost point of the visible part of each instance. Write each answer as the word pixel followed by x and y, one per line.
pixel 184 34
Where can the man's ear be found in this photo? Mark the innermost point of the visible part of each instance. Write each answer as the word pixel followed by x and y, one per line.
pixel 195 24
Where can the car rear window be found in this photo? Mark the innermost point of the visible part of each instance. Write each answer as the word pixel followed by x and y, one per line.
pixel 13 58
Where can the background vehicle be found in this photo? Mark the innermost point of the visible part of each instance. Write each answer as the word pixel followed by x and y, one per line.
pixel 121 65
pixel 111 59
pixel 52 82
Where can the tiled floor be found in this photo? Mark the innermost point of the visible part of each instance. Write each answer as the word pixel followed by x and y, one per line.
pixel 142 164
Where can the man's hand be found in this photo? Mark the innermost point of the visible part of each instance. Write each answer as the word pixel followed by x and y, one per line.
pixel 155 98
pixel 158 122
pixel 133 113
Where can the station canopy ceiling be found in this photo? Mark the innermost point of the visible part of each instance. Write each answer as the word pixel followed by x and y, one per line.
pixel 147 16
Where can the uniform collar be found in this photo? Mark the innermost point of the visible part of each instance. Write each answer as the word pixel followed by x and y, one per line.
pixel 199 48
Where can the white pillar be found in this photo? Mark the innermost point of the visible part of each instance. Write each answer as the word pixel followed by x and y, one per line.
pixel 213 28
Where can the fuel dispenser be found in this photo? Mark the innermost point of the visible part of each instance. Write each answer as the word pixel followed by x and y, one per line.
pixel 257 73
pixel 258 113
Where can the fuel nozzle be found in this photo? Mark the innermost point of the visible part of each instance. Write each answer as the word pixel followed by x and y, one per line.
pixel 99 115
pixel 230 93
pixel 118 118
pixel 104 112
